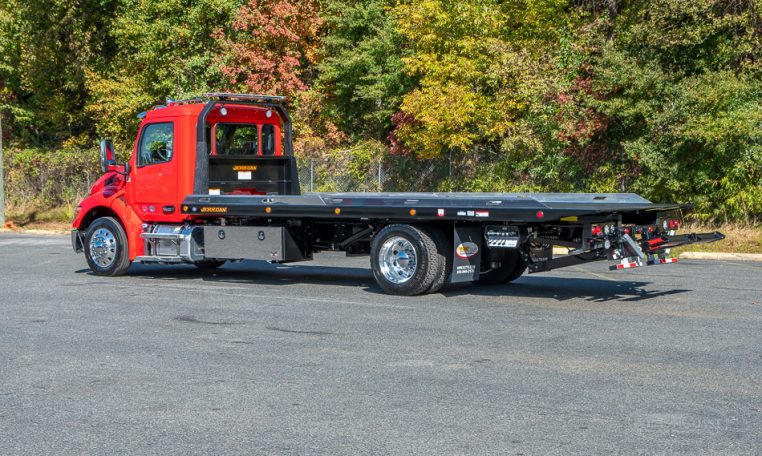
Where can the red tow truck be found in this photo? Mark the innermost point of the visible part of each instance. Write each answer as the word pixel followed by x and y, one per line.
pixel 214 179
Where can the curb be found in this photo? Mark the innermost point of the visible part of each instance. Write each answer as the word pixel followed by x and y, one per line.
pixel 724 256
pixel 33 231
pixel 721 256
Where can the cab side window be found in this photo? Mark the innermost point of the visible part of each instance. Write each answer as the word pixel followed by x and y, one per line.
pixel 156 144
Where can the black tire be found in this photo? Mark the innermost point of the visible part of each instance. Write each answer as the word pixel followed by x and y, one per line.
pixel 209 264
pixel 106 248
pixel 385 261
pixel 444 249
pixel 510 262
pixel 521 266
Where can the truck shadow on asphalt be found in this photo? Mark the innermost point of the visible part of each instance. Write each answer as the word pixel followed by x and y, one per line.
pixel 566 288
pixel 537 286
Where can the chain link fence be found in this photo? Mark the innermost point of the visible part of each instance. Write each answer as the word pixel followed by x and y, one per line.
pixel 347 173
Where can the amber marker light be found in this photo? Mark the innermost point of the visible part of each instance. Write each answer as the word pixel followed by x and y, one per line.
pixel 337 211
pixel 412 211
pixel 268 210
pixel 185 208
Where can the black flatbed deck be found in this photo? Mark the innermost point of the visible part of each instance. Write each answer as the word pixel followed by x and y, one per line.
pixel 509 207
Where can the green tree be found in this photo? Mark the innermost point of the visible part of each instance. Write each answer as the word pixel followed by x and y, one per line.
pixel 164 50
pixel 678 85
pixel 46 48
pixel 361 72
pixel 474 64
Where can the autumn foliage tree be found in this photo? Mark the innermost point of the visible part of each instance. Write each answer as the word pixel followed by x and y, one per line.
pixel 270 46
pixel 660 97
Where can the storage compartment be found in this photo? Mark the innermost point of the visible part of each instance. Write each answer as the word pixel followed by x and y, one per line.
pixel 269 243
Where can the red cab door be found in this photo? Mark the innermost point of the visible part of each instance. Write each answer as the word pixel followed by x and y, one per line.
pixel 154 180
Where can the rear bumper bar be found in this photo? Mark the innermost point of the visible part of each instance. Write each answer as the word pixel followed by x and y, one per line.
pixel 670 242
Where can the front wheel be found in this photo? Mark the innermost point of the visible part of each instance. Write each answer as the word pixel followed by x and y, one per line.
pixel 406 260
pixel 106 247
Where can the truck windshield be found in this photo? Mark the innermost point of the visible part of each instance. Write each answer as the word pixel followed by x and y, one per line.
pixel 236 139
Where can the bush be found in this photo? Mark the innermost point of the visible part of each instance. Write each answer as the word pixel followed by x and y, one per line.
pixel 41 178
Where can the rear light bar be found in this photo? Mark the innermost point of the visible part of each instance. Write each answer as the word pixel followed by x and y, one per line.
pixel 670 224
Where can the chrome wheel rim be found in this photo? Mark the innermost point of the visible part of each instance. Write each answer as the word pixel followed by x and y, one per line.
pixel 103 247
pixel 398 259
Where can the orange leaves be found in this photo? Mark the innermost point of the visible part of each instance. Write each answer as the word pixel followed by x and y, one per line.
pixel 269 46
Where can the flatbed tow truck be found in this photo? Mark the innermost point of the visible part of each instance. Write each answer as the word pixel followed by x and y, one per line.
pixel 214 179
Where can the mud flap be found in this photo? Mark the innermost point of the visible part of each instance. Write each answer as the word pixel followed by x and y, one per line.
pixel 467 254
pixel 76 241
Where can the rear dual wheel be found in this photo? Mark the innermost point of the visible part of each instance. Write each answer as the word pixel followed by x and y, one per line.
pixel 511 268
pixel 409 260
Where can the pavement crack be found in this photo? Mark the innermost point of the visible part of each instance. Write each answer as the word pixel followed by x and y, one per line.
pixel 294 331
pixel 192 319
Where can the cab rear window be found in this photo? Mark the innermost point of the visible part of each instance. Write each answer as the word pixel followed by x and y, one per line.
pixel 236 139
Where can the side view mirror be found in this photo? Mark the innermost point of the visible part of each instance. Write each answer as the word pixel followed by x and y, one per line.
pixel 108 156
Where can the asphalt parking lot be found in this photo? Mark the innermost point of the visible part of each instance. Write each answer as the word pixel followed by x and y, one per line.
pixel 312 358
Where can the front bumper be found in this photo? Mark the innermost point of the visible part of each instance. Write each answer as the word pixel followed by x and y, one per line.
pixel 76 241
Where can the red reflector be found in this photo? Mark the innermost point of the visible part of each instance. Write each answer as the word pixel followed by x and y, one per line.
pixel 655 241
pixel 633 265
pixel 620 266
pixel 540 214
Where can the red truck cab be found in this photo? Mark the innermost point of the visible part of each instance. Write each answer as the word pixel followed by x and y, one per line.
pixel 239 136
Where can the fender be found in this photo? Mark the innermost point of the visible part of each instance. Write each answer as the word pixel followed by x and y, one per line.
pixel 107 199
pixel 131 223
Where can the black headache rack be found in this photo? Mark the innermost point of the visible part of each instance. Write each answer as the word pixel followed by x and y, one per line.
pixel 265 174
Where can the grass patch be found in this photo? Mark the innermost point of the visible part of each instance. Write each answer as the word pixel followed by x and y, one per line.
pixel 738 239
pixel 52 219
